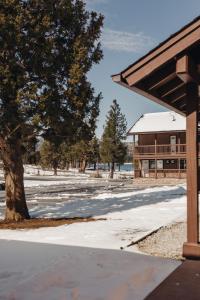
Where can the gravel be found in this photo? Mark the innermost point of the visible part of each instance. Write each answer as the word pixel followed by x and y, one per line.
pixel 166 242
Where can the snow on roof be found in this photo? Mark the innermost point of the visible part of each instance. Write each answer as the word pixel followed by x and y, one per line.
pixel 159 122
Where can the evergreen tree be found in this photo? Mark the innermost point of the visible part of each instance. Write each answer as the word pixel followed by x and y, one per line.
pixel 80 152
pixel 47 49
pixel 94 156
pixel 29 145
pixel 50 156
pixel 85 152
pixel 112 148
pixel 66 156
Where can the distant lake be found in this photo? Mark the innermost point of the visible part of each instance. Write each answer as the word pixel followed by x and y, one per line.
pixel 127 167
pixel 124 167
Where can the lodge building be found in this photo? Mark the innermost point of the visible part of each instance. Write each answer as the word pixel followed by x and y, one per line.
pixel 159 145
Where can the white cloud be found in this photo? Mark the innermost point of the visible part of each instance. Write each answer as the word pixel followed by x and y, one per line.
pixel 126 41
pixel 93 2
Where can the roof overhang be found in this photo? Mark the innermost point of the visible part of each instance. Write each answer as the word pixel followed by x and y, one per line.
pixel 163 73
pixel 155 132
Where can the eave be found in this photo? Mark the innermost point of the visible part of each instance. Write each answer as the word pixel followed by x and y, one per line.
pixel 162 74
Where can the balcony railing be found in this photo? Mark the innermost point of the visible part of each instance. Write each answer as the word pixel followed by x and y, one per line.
pixel 159 150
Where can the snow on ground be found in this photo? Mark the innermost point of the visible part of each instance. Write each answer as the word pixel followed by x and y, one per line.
pixel 130 214
pixel 30 170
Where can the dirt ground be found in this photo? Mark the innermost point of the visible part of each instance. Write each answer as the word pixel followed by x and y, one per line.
pixel 150 182
pixel 37 223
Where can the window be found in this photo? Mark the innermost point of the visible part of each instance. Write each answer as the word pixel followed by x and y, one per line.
pixel 159 164
pixel 183 164
pixel 170 161
pixel 152 164
pixel 173 143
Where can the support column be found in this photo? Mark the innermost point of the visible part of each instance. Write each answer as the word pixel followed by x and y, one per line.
pixel 156 173
pixel 179 160
pixel 134 164
pixel 192 247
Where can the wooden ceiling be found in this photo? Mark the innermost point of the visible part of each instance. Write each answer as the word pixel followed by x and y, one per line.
pixel 162 75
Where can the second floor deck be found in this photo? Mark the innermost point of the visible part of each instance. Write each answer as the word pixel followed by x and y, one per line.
pixel 160 151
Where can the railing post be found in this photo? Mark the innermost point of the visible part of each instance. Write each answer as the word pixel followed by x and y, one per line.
pixel 156 175
pixel 179 151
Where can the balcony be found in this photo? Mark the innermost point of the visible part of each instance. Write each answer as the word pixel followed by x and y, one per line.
pixel 160 151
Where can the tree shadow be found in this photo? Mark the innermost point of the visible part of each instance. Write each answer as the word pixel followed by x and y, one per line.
pixel 106 203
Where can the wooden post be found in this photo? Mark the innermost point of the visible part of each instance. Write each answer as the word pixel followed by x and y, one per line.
pixel 192 247
pixel 179 160
pixel 133 157
pixel 156 175
pixel 179 168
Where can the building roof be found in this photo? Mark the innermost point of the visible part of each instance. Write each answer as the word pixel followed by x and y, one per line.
pixel 163 74
pixel 159 122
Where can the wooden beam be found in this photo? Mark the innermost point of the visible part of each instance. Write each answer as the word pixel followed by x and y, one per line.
pixel 176 95
pixel 180 98
pixel 159 78
pixel 183 105
pixel 186 70
pixel 163 58
pixel 186 32
pixel 143 93
pixel 170 87
pixel 192 248
pixel 163 81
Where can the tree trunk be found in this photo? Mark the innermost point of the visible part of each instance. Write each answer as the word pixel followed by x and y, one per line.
pixel 112 169
pixel 16 208
pixel 55 167
pixel 67 166
pixel 83 165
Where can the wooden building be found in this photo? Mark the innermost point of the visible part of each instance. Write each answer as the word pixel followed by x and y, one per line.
pixel 159 145
pixel 170 75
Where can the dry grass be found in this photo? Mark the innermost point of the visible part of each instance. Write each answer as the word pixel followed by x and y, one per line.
pixel 43 222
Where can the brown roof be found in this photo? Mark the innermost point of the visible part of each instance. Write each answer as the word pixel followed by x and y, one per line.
pixel 162 74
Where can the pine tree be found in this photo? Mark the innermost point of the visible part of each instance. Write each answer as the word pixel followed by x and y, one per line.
pixel 94 156
pixel 47 49
pixel 50 156
pixel 112 148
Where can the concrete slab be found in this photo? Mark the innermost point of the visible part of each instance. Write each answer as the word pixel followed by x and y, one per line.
pixel 33 271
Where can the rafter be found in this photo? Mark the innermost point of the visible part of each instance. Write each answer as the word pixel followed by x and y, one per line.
pixel 186 70
pixel 170 87
pixel 160 78
pixel 176 95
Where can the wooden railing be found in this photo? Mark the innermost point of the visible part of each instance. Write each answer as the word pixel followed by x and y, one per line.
pixel 154 150
pixel 161 173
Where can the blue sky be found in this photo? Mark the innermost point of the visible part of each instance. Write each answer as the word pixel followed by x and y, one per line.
pixel 132 28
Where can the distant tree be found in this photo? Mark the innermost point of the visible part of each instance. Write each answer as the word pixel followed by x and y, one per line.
pixel 31 154
pixel 85 152
pixel 29 146
pixel 66 156
pixel 94 156
pixel 50 156
pixel 81 152
pixel 112 148
pixel 47 49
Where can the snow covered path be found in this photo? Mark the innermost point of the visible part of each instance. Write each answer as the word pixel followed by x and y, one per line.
pixel 130 213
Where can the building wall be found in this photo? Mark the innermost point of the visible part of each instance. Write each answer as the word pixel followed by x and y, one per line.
pixel 168 164
pixel 162 138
